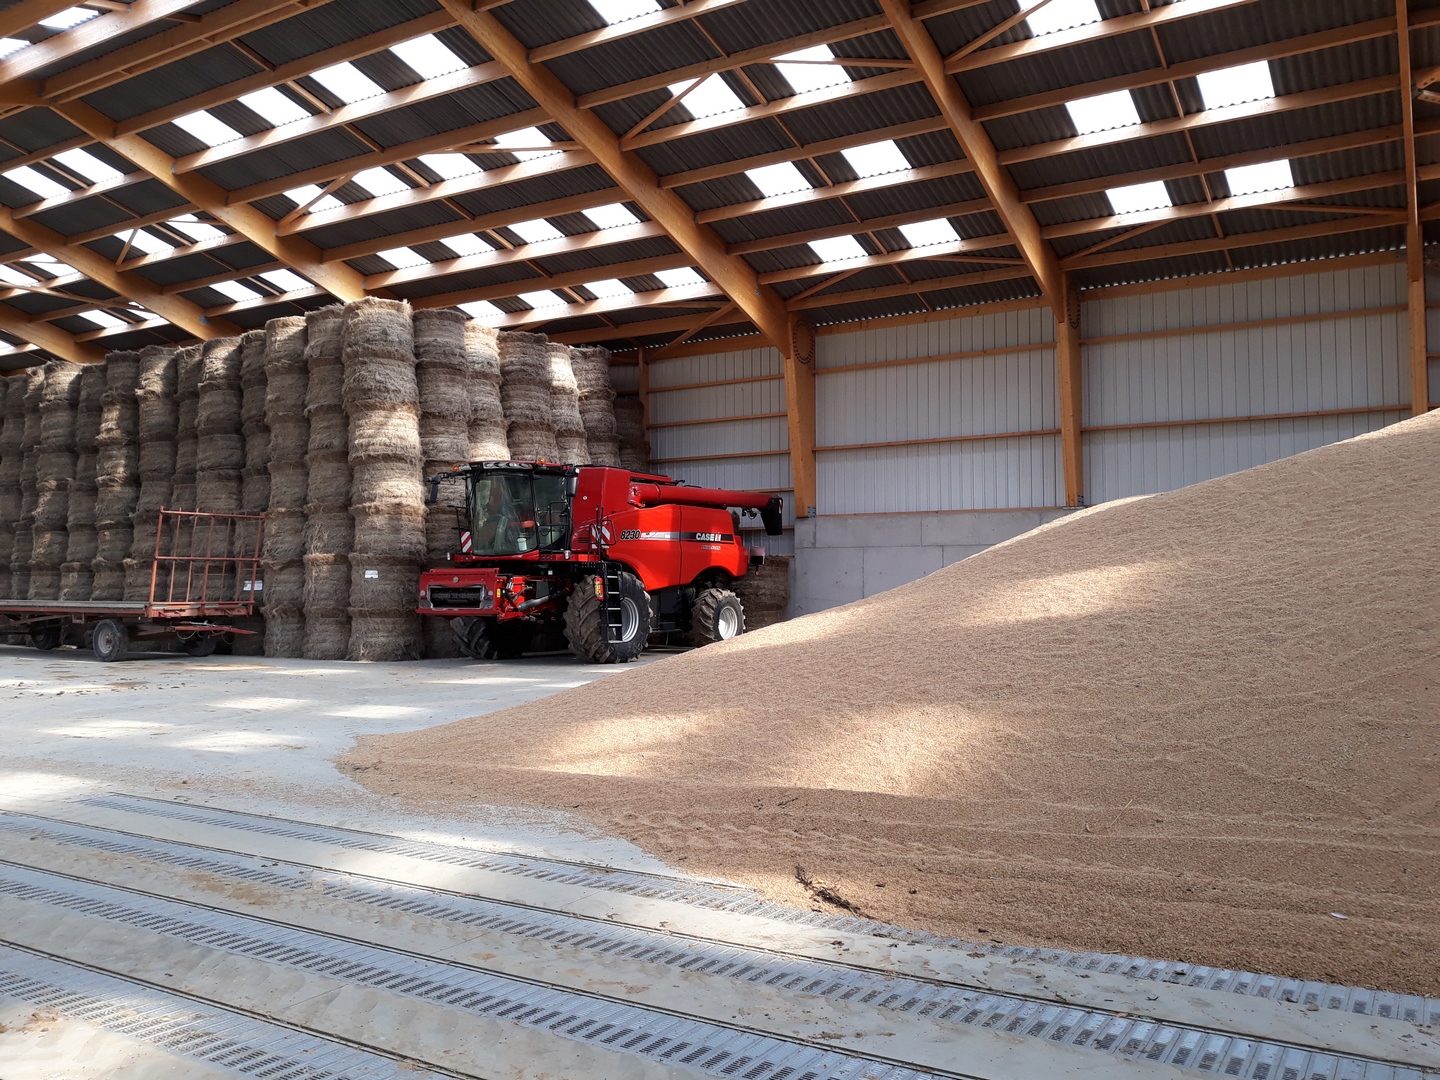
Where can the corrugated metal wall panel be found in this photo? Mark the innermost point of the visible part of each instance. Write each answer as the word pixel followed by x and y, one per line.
pixel 714 367
pixel 713 402
pixel 995 473
pixel 1025 327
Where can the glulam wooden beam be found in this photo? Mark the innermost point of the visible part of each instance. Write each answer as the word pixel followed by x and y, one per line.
pixel 1414 234
pixel 48 337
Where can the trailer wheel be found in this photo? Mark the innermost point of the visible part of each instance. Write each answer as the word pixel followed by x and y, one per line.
pixel 45 638
pixel 201 644
pixel 586 627
pixel 111 640
pixel 716 615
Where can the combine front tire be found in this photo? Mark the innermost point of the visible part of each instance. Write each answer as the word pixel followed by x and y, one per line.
pixel 716 615
pixel 587 624
pixel 490 639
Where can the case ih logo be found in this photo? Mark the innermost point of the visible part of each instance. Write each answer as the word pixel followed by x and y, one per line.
pixel 607 533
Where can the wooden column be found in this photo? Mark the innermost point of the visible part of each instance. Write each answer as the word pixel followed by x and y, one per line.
pixel 1414 235
pixel 642 368
pixel 799 365
pixel 1067 363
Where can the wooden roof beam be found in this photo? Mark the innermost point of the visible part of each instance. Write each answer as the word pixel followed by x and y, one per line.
pixel 78 39
pixel 48 337
pixel 27 13
pixel 504 290
pixel 1414 235
pixel 628 28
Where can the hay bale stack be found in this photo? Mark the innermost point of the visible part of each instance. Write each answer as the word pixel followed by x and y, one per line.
pixel 76 575
pixel 155 394
pixel 525 397
pixel 765 592
pixel 255 477
pixel 187 404
pixel 488 440
pixel 55 472
pixel 325 591
pixel 565 407
pixel 220 449
pixel 27 451
pixel 442 373
pixel 382 400
pixel 597 403
pixel 117 474
pixel 12 440
pixel 630 429
pixel 286 380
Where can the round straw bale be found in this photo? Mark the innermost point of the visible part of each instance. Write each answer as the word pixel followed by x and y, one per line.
pixel 114 505
pixel 384 636
pixel 329 430
pixel 155 494
pixel 158 420
pixel 440 336
pixel 19 580
pixel 252 409
pixel 44 582
pixel 158 377
pixel 187 372
pixel 562 371
pixel 119 421
pixel 109 580
pixel 219 412
pixel 284 582
pixel 386 480
pixel 187 452
pixel 529 402
pixel 629 418
pixel 444 391
pixel 139 575
pixel 113 542
pixel 92 387
pixel 327 582
pixel 157 459
pixel 378 583
pixel 324 388
pixel 592 370
pixel 482 353
pixel 329 477
pixel 219 452
pixel 442 532
pixel 604 450
pixel 524 358
pixel 285 343
pixel 329 530
pixel 54 465
pixel 326 635
pixel 485 405
pixel 284 535
pixel 61 387
pixel 81 544
pixel 217 491
pixel 285 394
pixel 76 581
pixel 52 507
pixel 57 426
pixel 324 336
pixel 372 382
pixel 247 539
pixel 574 449
pixel 376 329
pixel 122 372
pixel 289 438
pixel 597 413
pixel 87 428
pixel 532 443
pixel 566 410
pixel 444 438
pixel 389 528
pixel 10 501
pixel 255 491
pixel 289 482
pixel 220 364
pixel 488 442
pixel 440 640
pixel 252 359
pixel 187 410
pixel 49 547
pixel 284 631
pixel 81 509
pixel 182 496
pixel 381 432
pixel 635 458
pixel 257 449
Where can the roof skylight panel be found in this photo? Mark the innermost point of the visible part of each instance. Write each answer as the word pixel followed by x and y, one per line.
pixel 403 258
pixel 611 216
pixel 428 56
pixel 544 298
pixel 380 181
pixel 812 76
pixel 12 276
pixel 482 310
pixel 838 249
pixel 1267 176
pixel 103 319
pixel 1235 85
pixel 235 291
pixel 781 179
pixel 606 288
pixel 711 98
pixel 208 129
pixel 876 159
pixel 302 195
pixel 64 20
pixel 929 233
pixel 467 244
pixel 1135 198
pixel 49 264
pixel 87 165
pixel 685 275
pixel 525 137
pixel 1060 15
pixel 197 230
pixel 449 166
pixel 33 180
pixel 347 82
pixel 536 231
pixel 144 241
pixel 1103 112
pixel 285 280
pixel 9 46
pixel 617 11
pixel 274 106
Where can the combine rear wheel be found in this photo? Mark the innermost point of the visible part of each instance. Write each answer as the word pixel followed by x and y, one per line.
pixel 716 615
pixel 588 618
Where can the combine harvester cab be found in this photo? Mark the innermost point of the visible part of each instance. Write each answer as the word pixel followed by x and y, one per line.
pixel 603 556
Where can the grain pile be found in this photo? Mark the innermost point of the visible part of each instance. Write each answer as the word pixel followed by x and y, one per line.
pixel 1188 726
pixel 117 474
pixel 286 382
pixel 442 374
pixel 159 422
pixel 54 473
pixel 77 577
pixel 630 429
pixel 187 405
pixel 565 407
pixel 329 529
pixel 382 399
pixel 482 382
pixel 597 403
pixel 525 395
pixel 12 424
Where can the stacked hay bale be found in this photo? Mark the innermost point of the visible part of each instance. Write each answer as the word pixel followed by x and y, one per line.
pixel 597 403
pixel 187 404
pixel 77 578
pixel 117 474
pixel 329 528
pixel 55 472
pixel 382 398
pixel 488 440
pixel 286 381
pixel 565 407
pixel 525 395
pixel 254 482
pixel 219 458
pixel 765 592
pixel 441 372
pixel 12 410
pixel 630 428
pixel 24 543
pixel 155 394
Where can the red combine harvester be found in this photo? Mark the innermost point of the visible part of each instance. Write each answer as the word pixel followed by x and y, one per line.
pixel 603 555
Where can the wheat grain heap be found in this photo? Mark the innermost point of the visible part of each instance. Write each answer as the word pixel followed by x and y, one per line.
pixel 1188 726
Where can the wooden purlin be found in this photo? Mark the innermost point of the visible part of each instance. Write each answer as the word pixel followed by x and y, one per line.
pixel 759 303
pixel 49 337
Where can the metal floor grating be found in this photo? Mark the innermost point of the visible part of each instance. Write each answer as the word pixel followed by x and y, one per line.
pixel 1351 999
pixel 185 1028
pixel 1012 1013
pixel 663 1037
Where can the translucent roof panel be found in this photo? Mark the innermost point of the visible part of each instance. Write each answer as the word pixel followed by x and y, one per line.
pixel 1234 85
pixel 1060 15
pixel 1133 198
pixel 380 181
pixel 811 76
pixel 711 98
pixel 838 249
pixel 685 275
pixel 876 159
pixel 236 291
pixel 1103 112
pixel 285 280
pixel 450 166
pixel 611 216
pixel 302 195
pixel 36 181
pixel 274 106
pixel 929 233
pixel 467 244
pixel 208 129
pixel 347 82
pixel 402 258
pixel 607 287
pixel 778 179
pixel 428 56
pixel 88 166
pixel 1268 176
pixel 618 11
pixel 535 231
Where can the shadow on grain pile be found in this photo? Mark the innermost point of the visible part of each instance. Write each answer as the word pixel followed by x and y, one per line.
pixel 1190 726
